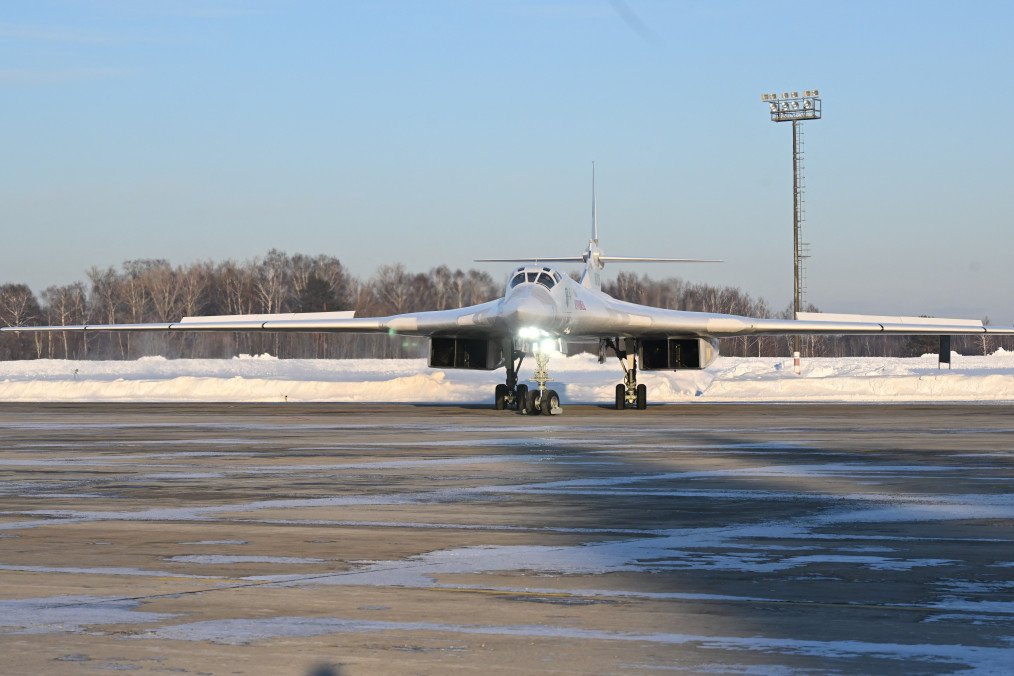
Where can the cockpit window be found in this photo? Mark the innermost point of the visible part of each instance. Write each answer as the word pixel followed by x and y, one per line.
pixel 549 278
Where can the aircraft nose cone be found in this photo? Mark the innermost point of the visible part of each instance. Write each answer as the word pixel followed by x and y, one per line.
pixel 523 310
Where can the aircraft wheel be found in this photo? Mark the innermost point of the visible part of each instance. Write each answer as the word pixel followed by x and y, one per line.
pixel 621 397
pixel 521 398
pixel 550 401
pixel 642 397
pixel 531 405
pixel 500 397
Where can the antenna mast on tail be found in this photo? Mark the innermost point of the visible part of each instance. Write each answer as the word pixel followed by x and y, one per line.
pixel 595 217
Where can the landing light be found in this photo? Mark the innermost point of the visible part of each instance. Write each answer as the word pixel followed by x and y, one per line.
pixel 530 333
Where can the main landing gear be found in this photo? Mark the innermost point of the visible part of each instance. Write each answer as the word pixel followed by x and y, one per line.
pixel 628 393
pixel 514 397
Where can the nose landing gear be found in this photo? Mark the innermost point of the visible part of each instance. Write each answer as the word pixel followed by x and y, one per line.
pixel 514 397
pixel 542 400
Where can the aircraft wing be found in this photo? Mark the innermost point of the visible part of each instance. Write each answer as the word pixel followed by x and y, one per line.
pixel 630 319
pixel 474 319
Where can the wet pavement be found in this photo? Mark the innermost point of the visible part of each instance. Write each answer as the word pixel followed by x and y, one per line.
pixel 360 539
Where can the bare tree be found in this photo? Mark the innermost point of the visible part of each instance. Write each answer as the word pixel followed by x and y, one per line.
pixel 66 305
pixel 273 282
pixel 19 307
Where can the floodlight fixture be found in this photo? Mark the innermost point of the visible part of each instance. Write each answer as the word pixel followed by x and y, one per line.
pixel 793 106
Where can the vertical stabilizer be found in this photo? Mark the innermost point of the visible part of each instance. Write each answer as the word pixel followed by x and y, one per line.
pixel 592 277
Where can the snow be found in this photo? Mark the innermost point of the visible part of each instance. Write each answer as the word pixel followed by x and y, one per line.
pixel 578 379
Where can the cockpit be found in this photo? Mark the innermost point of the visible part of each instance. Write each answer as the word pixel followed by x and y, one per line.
pixel 547 277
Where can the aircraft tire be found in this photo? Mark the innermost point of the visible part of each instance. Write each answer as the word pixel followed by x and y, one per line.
pixel 521 396
pixel 533 409
pixel 500 397
pixel 642 397
pixel 621 397
pixel 550 401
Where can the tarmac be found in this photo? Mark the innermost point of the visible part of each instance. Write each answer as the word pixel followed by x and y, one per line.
pixel 380 539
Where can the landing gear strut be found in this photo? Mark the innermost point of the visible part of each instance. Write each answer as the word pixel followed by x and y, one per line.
pixel 511 396
pixel 628 393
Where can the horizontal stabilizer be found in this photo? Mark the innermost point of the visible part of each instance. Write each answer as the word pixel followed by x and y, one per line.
pixel 604 259
pixel 533 259
pixel 637 259
pixel 270 317
pixel 886 319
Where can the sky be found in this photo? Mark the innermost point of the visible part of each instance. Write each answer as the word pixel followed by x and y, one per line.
pixel 437 132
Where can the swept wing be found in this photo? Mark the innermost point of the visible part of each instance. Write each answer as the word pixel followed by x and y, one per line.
pixel 471 320
pixel 611 317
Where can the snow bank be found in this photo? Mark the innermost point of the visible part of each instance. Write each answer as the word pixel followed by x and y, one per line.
pixel 578 379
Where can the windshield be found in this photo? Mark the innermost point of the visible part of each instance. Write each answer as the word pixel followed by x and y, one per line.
pixel 546 277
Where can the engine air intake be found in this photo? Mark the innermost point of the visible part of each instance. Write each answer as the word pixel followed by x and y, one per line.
pixel 674 354
pixel 465 353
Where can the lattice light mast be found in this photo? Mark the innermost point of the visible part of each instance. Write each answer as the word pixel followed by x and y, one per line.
pixel 795 108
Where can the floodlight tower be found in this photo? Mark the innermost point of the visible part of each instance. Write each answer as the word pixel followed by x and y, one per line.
pixel 791 107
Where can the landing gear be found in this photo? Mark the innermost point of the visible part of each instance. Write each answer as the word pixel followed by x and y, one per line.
pixel 628 393
pixel 511 396
pixel 541 402
pixel 515 397
pixel 544 401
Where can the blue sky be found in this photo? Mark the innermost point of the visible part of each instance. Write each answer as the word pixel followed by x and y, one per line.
pixel 442 131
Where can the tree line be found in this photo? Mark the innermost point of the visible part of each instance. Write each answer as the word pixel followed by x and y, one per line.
pixel 153 290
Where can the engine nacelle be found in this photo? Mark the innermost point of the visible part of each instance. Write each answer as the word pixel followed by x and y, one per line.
pixel 674 354
pixel 465 353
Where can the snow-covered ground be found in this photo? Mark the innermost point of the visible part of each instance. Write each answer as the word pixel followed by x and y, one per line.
pixel 578 379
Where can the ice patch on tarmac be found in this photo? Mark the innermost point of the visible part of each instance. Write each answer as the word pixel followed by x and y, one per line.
pixel 733 548
pixel 102 570
pixel 225 559
pixel 847 469
pixel 66 614
pixel 242 631
pixel 206 512
pixel 681 550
